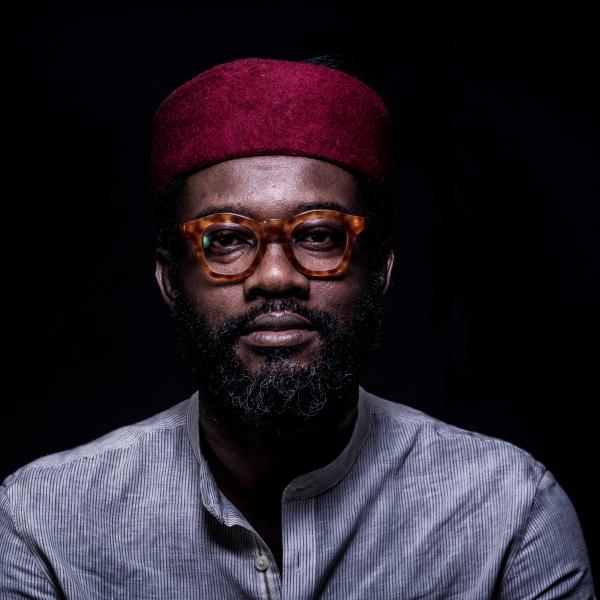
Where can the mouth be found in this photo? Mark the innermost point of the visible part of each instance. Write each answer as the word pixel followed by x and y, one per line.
pixel 286 337
pixel 278 330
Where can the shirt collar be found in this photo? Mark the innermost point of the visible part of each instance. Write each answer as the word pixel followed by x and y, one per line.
pixel 306 485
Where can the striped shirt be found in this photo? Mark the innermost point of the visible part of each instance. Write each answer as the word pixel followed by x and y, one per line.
pixel 412 508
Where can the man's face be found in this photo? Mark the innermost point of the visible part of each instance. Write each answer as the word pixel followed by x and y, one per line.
pixel 279 380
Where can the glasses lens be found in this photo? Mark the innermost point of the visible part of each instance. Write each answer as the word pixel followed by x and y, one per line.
pixel 229 248
pixel 319 243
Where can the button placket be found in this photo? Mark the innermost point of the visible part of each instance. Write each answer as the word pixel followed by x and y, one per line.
pixel 264 563
pixel 299 539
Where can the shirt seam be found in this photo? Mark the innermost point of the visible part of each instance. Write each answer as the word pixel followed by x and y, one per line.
pixel 440 427
pixel 488 439
pixel 521 531
pixel 475 437
pixel 15 477
pixel 26 541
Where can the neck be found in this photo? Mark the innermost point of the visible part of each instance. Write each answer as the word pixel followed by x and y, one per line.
pixel 256 462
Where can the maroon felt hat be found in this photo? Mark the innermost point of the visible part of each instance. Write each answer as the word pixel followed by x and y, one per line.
pixel 263 106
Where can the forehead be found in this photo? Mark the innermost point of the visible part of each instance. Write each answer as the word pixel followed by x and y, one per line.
pixel 266 187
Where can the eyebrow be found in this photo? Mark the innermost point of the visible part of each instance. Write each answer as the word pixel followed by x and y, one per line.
pixel 243 210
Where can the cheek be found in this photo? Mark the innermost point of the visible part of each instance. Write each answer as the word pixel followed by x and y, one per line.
pixel 215 301
pixel 339 297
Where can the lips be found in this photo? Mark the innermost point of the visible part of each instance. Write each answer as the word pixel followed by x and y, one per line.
pixel 278 329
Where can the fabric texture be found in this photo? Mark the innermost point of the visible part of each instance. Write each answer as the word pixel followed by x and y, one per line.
pixel 411 508
pixel 262 106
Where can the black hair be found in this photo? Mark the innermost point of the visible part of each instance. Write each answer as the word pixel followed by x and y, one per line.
pixel 377 197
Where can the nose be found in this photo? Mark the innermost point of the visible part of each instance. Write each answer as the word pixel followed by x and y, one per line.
pixel 275 274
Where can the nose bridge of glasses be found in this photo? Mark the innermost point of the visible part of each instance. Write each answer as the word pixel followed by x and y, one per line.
pixel 272 230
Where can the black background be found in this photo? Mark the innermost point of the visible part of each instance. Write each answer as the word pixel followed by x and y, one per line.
pixel 492 318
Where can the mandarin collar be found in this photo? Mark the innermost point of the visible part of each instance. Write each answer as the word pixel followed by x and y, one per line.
pixel 306 485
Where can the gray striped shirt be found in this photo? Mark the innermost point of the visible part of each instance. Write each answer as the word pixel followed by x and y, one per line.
pixel 412 508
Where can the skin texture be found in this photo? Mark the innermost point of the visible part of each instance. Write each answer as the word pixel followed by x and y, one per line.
pixel 267 416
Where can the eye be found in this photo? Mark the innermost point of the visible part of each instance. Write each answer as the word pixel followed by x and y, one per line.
pixel 226 240
pixel 222 239
pixel 320 238
pixel 320 235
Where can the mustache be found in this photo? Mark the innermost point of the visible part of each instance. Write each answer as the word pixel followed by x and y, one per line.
pixel 233 328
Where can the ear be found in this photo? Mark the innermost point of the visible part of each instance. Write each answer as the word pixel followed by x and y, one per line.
pixel 163 275
pixel 389 264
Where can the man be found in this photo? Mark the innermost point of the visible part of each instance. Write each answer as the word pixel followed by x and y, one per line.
pixel 281 476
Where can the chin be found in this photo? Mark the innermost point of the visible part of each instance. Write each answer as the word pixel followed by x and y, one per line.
pixel 256 357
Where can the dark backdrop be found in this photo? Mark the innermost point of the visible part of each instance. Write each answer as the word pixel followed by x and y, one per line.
pixel 491 322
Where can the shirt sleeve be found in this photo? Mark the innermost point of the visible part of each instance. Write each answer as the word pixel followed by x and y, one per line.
pixel 550 558
pixel 22 575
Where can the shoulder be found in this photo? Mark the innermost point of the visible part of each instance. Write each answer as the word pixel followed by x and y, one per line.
pixel 464 461
pixel 103 454
pixel 492 498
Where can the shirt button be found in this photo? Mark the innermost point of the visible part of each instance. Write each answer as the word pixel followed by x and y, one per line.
pixel 261 563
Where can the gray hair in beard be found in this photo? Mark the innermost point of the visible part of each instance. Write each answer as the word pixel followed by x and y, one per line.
pixel 283 396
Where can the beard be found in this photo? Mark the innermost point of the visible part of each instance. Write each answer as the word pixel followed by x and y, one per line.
pixel 283 398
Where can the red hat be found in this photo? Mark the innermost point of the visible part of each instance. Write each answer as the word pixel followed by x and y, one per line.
pixel 262 106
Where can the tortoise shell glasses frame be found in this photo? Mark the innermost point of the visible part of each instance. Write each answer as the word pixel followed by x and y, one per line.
pixel 272 230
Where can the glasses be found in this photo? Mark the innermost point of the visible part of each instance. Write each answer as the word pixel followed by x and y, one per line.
pixel 317 242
